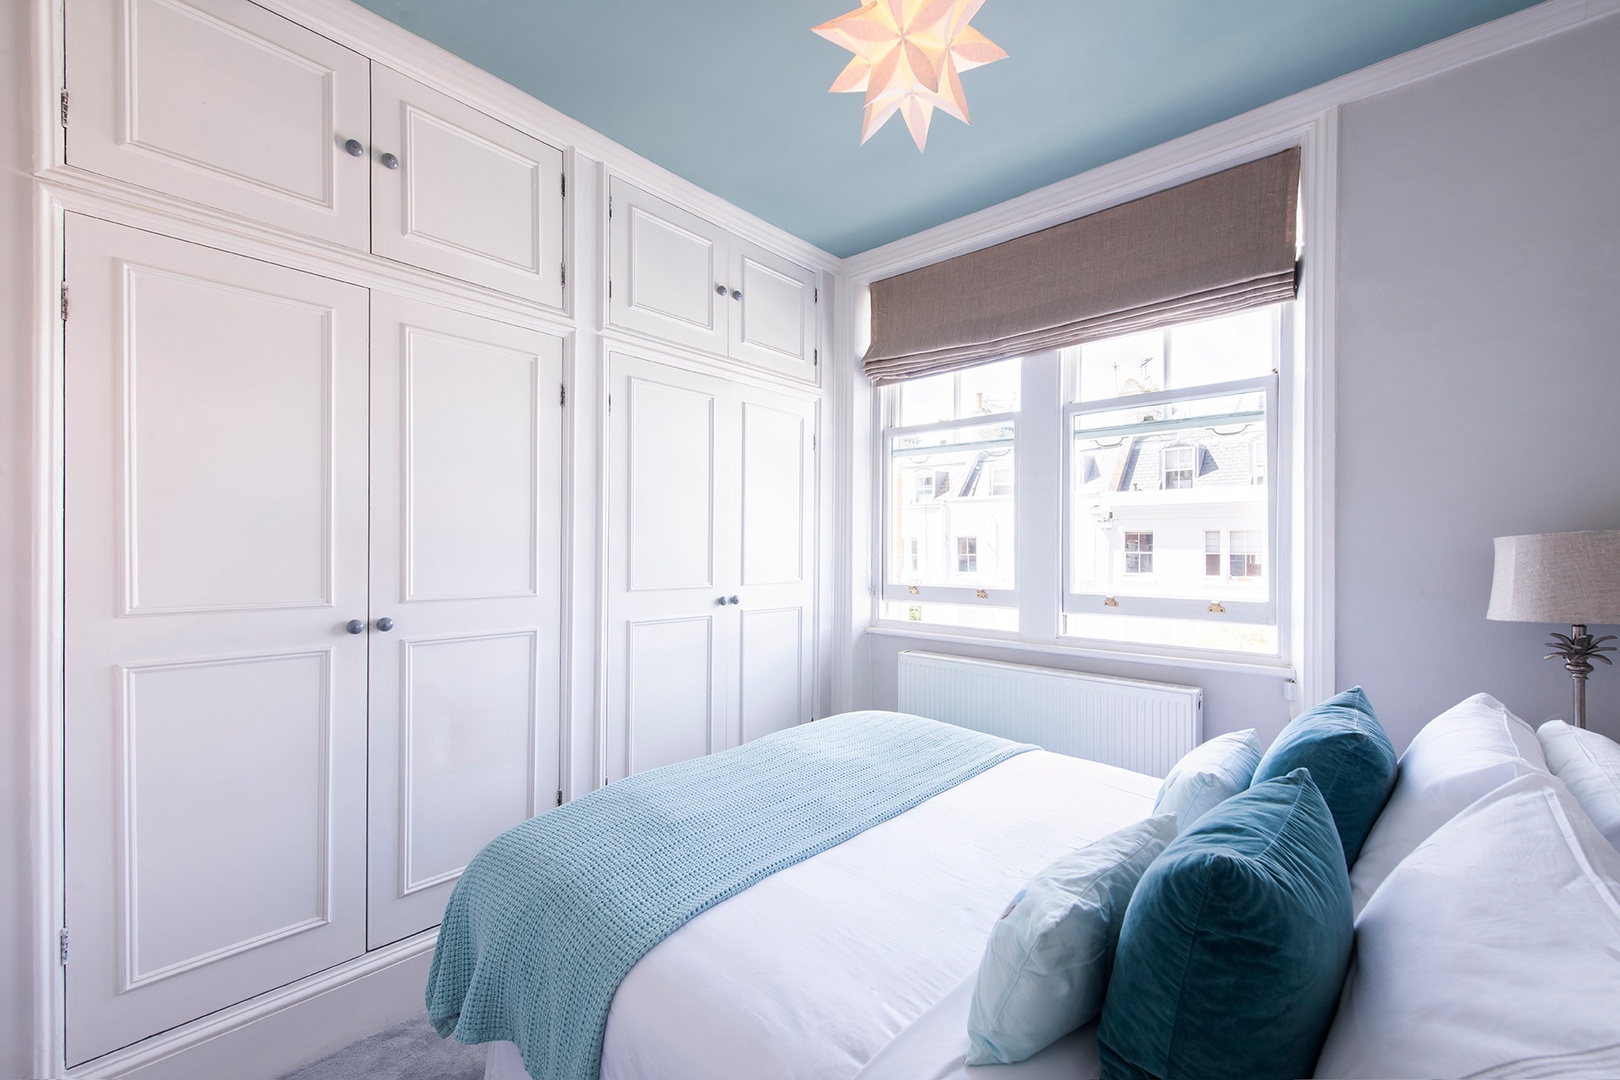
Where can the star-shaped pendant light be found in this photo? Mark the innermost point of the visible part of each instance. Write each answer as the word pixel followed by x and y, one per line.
pixel 909 55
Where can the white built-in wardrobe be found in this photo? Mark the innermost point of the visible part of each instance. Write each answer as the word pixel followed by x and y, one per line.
pixel 314 523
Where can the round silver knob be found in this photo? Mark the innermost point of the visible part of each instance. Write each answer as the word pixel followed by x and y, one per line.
pixel 720 290
pixel 389 161
pixel 734 600
pixel 721 601
pixel 356 626
pixel 385 624
pixel 736 294
pixel 355 147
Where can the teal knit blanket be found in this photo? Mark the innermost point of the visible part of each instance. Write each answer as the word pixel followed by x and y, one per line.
pixel 551 916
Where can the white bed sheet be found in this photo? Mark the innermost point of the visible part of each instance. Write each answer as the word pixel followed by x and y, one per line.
pixel 815 970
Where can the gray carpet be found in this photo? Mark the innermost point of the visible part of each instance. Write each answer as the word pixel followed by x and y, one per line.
pixel 408 1051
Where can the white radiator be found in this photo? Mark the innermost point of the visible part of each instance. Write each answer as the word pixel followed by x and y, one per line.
pixel 1144 726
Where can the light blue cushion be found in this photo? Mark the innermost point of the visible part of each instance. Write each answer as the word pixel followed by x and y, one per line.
pixel 1046 965
pixel 1235 946
pixel 1350 758
pixel 1209 774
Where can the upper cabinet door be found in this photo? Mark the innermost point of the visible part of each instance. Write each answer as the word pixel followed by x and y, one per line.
pixel 667 271
pixel 773 320
pixel 221 103
pixel 457 192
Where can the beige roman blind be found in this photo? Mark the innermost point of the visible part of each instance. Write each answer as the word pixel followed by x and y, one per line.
pixel 1212 246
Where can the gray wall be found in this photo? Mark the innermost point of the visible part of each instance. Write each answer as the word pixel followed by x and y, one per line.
pixel 1478 384
pixel 16 294
pixel 1478 366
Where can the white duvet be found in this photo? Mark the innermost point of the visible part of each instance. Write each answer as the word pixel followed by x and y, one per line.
pixel 862 957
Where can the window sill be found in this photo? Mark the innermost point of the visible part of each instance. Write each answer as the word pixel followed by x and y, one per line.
pixel 1267 667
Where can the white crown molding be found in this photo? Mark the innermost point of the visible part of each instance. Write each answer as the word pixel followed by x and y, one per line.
pixel 1208 149
pixel 373 36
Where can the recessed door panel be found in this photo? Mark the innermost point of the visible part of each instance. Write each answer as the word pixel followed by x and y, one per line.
pixel 671 697
pixel 668 271
pixel 775 502
pixel 225 765
pixel 214 704
pixel 469 716
pixel 772 668
pixel 671 479
pixel 227 403
pixel 773 324
pixel 466 570
pixel 469 459
pixel 458 192
pixel 672 626
pixel 224 104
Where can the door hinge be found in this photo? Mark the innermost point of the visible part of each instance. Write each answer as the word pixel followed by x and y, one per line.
pixel 610 288
pixel 62 939
pixel 814 443
pixel 565 185
pixel 64 301
pixel 562 398
pixel 817 298
pixel 559 796
pixel 610 208
pixel 815 356
pixel 564 267
pixel 64 106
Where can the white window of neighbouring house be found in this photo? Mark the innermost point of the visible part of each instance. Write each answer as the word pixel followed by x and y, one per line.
pixel 967 555
pixel 1247 553
pixel 1212 552
pixel 1139 553
pixel 1180 466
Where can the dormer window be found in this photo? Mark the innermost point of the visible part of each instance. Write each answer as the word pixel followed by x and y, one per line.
pixel 1180 466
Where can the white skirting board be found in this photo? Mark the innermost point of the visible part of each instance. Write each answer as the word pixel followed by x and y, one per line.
pixel 275 1033
pixel 1142 726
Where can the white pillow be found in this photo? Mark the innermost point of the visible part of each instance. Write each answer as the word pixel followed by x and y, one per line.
pixel 1493 949
pixel 1208 775
pixel 1461 755
pixel 1589 765
pixel 1046 966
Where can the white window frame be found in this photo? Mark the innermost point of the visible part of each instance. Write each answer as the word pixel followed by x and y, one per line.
pixel 1139 572
pixel 1234 611
pixel 967 551
pixel 1193 451
pixel 894 587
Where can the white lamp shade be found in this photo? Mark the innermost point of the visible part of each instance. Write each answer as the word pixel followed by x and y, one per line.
pixel 1569 577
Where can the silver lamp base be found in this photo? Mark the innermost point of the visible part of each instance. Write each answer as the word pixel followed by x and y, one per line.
pixel 1577 651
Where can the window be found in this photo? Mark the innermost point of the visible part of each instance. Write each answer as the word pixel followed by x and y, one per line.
pixel 1179 467
pixel 1140 449
pixel 1139 553
pixel 1246 554
pixel 967 555
pixel 950 554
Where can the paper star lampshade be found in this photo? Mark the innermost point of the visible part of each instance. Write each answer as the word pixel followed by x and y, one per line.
pixel 909 56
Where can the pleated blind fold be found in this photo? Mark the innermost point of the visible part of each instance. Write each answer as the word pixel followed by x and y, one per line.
pixel 1215 245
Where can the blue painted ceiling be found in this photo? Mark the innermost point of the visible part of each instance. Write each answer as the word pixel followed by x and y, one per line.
pixel 733 95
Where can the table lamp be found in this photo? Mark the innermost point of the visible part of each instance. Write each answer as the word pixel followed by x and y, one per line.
pixel 1570 578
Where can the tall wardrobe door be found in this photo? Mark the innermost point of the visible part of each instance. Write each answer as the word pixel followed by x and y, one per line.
pixel 458 192
pixel 670 629
pixel 222 103
pixel 214 701
pixel 774 522
pixel 466 437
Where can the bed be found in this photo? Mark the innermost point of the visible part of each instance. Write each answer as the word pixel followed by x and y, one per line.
pixel 860 960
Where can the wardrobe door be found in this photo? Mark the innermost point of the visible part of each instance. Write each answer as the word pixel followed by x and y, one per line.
pixel 460 193
pixel 668 271
pixel 671 627
pixel 214 697
pixel 466 438
pixel 774 521
pixel 773 318
pixel 222 103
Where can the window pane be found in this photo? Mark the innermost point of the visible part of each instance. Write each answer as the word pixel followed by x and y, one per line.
pixel 950 523
pixel 974 616
pixel 1233 347
pixel 1153 490
pixel 956 395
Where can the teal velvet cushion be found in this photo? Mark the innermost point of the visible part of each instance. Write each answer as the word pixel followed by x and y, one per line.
pixel 1235 946
pixel 1350 758
pixel 1208 775
pixel 1045 967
